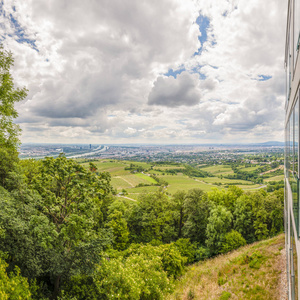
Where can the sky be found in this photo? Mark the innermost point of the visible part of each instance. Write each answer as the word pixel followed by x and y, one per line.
pixel 141 71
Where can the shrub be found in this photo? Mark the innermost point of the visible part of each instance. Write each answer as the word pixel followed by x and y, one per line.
pixel 137 277
pixel 13 285
pixel 171 259
pixel 225 295
pixel 186 249
pixel 232 240
pixel 202 253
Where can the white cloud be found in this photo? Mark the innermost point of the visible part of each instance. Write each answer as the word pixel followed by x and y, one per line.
pixel 95 61
pixel 173 92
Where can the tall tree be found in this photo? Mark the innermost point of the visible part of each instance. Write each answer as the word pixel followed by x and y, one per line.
pixel 71 199
pixel 9 131
pixel 219 223
pixel 178 199
pixel 196 208
pixel 55 231
pixel 151 218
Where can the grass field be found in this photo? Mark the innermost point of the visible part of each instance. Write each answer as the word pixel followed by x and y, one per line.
pixel 250 187
pixel 218 170
pixel 251 272
pixel 123 179
pixel 146 177
pixel 275 178
pixel 225 180
pixel 135 192
pixel 249 169
pixel 163 168
pixel 182 182
pixel 119 183
pixel 114 167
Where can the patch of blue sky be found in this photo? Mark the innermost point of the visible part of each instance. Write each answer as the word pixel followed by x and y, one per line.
pixel 262 77
pixel 203 23
pixel 197 70
pixel 20 34
pixel 225 13
pixel 173 73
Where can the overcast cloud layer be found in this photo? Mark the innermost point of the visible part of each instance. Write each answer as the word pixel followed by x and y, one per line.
pixel 162 71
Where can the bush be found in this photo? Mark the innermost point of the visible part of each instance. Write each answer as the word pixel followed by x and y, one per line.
pixel 137 277
pixel 13 285
pixel 186 249
pixel 202 253
pixel 82 287
pixel 225 295
pixel 232 240
pixel 171 259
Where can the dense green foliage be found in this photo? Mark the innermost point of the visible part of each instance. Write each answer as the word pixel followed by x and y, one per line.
pixel 8 130
pixel 74 239
pixel 13 285
pixel 62 229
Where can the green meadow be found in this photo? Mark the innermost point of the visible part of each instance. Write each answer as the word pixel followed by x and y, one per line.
pixel 218 170
pixel 275 178
pixel 136 183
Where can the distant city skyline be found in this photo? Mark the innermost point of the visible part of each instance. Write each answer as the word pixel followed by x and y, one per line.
pixel 168 71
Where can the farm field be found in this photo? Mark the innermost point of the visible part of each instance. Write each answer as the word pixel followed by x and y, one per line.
pixel 275 178
pixel 249 169
pixel 225 180
pixel 250 187
pixel 163 168
pixel 124 179
pixel 183 182
pixel 218 170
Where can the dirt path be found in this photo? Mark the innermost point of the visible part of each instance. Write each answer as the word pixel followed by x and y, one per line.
pixel 126 198
pixel 257 188
pixel 280 167
pixel 203 181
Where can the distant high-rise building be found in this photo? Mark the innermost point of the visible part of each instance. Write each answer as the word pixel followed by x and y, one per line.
pixel 90 146
pixel 292 195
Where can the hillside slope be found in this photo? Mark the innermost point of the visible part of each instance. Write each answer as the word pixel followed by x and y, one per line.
pixel 256 271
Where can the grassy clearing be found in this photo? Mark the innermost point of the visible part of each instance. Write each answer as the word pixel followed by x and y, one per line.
pixel 251 272
pixel 123 179
pixel 140 190
pixel 250 187
pixel 168 167
pixel 119 183
pixel 183 182
pixel 146 177
pixel 226 180
pixel 218 169
pixel 275 178
pixel 130 181
pixel 249 169
pixel 114 167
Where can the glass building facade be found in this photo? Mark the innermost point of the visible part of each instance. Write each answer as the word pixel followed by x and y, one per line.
pixel 292 185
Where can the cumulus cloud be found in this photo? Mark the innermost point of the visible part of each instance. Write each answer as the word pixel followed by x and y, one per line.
pixel 174 92
pixel 99 71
